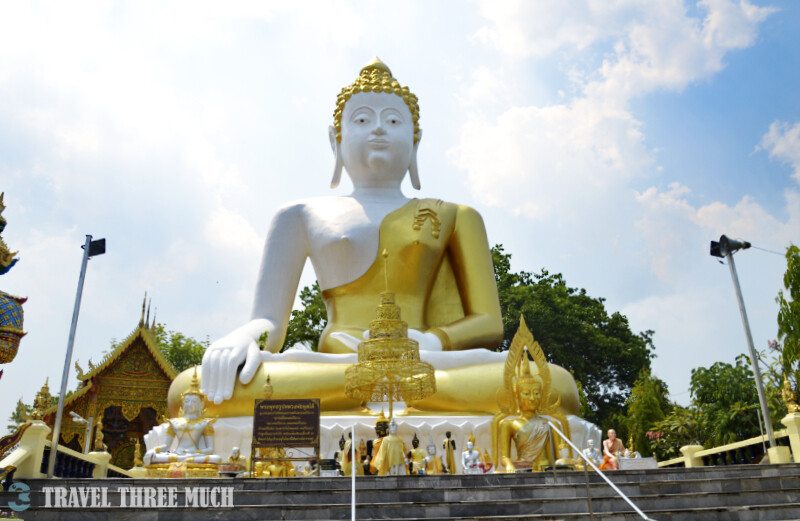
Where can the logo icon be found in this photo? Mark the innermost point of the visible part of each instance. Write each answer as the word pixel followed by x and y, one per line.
pixel 23 501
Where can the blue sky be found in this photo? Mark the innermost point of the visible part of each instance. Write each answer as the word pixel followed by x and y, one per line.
pixel 606 141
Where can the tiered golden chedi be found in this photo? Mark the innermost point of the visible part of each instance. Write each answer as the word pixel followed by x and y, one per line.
pixel 389 367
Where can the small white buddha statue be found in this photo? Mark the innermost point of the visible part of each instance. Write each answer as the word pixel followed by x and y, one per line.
pixel 593 453
pixel 190 437
pixel 471 458
pixel 433 462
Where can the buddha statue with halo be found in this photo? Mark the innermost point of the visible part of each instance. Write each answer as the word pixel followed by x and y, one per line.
pixel 440 270
pixel 526 406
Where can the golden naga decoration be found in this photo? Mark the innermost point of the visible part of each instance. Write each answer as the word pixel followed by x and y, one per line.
pixel 523 401
pixel 79 370
pixel 99 446
pixel 388 365
pixel 789 396
pixel 376 77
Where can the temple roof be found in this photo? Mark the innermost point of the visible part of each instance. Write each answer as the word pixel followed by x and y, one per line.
pixel 143 331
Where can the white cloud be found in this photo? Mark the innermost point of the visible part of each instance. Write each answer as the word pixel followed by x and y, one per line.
pixel 533 29
pixel 782 141
pixel 538 159
pixel 230 231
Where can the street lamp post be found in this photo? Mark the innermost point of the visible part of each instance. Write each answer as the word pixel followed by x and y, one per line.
pixel 90 249
pixel 725 249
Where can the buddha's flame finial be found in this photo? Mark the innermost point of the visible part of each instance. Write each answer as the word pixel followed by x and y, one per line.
pixel 376 63
pixel 194 387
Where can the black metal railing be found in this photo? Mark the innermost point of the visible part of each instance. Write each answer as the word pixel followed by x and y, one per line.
pixel 67 465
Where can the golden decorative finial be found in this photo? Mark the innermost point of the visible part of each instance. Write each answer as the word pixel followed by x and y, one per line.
pixel 155 311
pixel 268 390
pixel 376 77
pixel 42 401
pixel 194 387
pixel 144 302
pixel 471 439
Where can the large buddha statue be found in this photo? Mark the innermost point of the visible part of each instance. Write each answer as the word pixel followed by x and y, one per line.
pixel 439 268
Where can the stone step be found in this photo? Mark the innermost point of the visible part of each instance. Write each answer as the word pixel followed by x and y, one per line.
pixel 410 488
pixel 422 508
pixel 741 493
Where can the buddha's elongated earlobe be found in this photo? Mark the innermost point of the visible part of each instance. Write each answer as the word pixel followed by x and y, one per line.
pixel 412 168
pixel 336 147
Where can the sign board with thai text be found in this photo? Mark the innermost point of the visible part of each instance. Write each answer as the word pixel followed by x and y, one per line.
pixel 637 463
pixel 286 423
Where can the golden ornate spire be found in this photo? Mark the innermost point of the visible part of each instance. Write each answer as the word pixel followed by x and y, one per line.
pixel 388 365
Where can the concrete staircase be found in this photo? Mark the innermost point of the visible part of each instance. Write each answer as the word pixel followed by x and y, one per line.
pixel 740 493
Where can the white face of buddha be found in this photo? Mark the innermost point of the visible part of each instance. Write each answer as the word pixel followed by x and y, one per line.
pixel 192 405
pixel 377 139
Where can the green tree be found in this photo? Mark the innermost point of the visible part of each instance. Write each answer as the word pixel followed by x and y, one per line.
pixel 647 405
pixel 306 324
pixel 180 350
pixel 575 332
pixel 19 416
pixel 678 428
pixel 789 314
pixel 726 402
